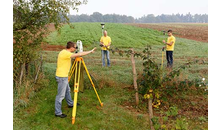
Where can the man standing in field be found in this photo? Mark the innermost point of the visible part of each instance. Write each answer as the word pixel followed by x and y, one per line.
pixel 105 42
pixel 170 48
pixel 63 67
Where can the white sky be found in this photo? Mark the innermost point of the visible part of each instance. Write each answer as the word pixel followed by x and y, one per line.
pixel 138 8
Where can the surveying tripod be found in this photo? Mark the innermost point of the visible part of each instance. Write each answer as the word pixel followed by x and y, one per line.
pixel 76 67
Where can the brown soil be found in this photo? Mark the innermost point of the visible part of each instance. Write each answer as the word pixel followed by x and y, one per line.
pixel 48 47
pixel 197 32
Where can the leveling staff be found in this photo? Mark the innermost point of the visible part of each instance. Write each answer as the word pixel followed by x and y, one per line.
pixel 63 67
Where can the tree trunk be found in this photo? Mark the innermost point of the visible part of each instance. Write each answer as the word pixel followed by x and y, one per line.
pixel 150 109
pixel 134 77
pixel 22 72
pixel 38 70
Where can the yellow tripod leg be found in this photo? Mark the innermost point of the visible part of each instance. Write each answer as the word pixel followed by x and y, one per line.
pixel 76 90
pixel 92 83
pixel 72 70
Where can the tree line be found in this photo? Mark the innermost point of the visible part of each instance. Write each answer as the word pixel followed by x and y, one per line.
pixel 150 18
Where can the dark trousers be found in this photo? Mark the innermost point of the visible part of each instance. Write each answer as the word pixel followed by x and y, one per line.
pixel 169 55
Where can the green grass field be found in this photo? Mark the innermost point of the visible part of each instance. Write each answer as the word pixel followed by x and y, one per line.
pixel 113 84
pixel 121 35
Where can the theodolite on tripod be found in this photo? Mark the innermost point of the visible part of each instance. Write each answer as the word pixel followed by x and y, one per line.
pixel 76 69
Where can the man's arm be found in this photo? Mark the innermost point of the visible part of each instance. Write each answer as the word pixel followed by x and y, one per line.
pixel 82 53
pixel 101 43
pixel 109 44
pixel 170 44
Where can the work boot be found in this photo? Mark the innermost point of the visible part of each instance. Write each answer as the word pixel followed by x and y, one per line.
pixel 61 116
pixel 72 106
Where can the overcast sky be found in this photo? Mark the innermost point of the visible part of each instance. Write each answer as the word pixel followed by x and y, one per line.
pixel 138 8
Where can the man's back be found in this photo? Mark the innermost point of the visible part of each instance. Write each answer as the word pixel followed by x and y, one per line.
pixel 169 40
pixel 63 63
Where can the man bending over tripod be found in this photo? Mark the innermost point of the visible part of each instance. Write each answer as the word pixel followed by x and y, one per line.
pixel 63 67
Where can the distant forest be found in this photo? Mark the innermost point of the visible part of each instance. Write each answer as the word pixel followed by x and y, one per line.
pixel 150 18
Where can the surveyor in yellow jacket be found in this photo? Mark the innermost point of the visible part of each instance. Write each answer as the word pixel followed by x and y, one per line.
pixel 63 67
pixel 105 42
pixel 170 48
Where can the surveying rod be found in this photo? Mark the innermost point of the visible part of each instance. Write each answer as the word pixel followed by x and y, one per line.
pixel 102 24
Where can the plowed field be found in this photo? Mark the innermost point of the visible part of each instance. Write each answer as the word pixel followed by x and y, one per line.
pixel 193 31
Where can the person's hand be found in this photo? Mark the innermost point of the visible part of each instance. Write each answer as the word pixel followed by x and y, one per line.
pixel 93 50
pixel 164 41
